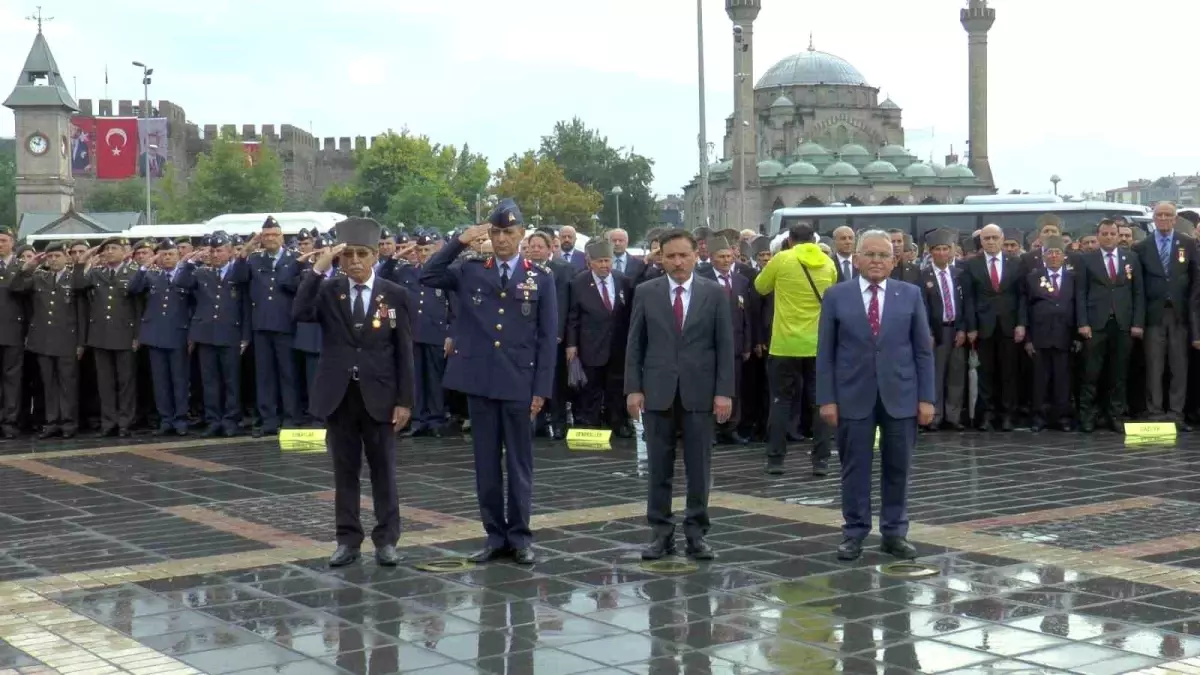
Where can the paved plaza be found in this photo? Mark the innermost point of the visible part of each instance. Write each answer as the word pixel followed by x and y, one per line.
pixel 1057 553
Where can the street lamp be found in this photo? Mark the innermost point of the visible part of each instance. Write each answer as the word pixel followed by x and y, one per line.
pixel 616 191
pixel 146 73
pixel 1056 180
pixel 595 224
pixel 739 108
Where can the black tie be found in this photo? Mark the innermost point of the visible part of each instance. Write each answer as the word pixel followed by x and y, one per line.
pixel 504 275
pixel 360 308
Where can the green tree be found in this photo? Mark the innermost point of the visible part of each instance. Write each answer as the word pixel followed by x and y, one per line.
pixel 540 187
pixel 342 198
pixel 225 181
pixel 425 203
pixel 110 197
pixel 471 176
pixel 170 197
pixel 587 158
pixel 8 186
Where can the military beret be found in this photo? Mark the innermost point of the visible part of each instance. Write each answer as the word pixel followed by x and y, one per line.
pixel 941 238
pixel 54 246
pixel 506 214
pixel 1052 242
pixel 145 243
pixel 111 241
pixel 124 241
pixel 183 240
pixel 79 242
pixel 598 248
pixel 6 231
pixel 165 245
pixel 270 223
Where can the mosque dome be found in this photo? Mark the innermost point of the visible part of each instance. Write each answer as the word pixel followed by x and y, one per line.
pixel 783 102
pixel 956 171
pixel 919 170
pixel 880 167
pixel 811 67
pixel 810 149
pixel 891 151
pixel 841 169
pixel 889 104
pixel 723 166
pixel 854 154
pixel 769 168
pixel 801 168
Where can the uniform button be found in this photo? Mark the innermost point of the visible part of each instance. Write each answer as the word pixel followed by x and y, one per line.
pixel 214 316
pixel 108 318
pixel 497 343
pixel 420 302
pixel 503 294
pixel 419 312
pixel 359 349
pixel 499 327
pixel 270 298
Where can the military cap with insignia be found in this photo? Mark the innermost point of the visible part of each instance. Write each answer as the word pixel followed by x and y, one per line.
pixel 717 243
pixel 384 233
pixel 761 245
pixel 6 231
pixel 1013 234
pixel 183 240
pixel 359 231
pixel 219 238
pixel 598 248
pixel 54 246
pixel 1053 242
pixel 111 241
pixel 145 243
pixel 941 238
pixel 303 235
pixel 506 214
pixel 403 237
pixel 78 242
pixel 124 241
pixel 270 223
pixel 165 245
pixel 426 239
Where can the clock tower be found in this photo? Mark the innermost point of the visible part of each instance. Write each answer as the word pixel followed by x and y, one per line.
pixel 43 108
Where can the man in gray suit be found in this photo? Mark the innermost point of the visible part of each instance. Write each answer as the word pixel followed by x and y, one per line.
pixel 679 371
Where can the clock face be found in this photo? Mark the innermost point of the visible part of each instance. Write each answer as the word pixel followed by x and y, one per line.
pixel 38 144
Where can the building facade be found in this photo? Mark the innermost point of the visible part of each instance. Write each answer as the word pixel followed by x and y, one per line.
pixel 1184 191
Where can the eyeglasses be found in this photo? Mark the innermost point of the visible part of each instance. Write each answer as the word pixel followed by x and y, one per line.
pixel 876 256
pixel 357 253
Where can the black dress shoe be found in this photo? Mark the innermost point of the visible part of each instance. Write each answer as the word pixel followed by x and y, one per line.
pixel 661 546
pixel 125 433
pixel 68 434
pixel 774 467
pixel 958 427
pixel 1006 425
pixel 898 547
pixel 524 556
pixel 210 432
pixel 560 434
pixel 821 468
pixel 48 432
pixel 344 555
pixel 257 433
pixel 623 431
pixel 1087 427
pixel 849 549
pixel 387 556
pixel 698 549
pixel 1035 427
pixel 487 554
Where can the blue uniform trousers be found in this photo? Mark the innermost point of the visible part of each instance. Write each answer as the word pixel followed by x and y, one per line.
pixel 855 444
pixel 310 377
pixel 169 371
pixel 275 378
pixel 431 401
pixel 221 372
pixel 499 424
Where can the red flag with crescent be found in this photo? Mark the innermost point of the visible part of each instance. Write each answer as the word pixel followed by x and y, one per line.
pixel 251 149
pixel 116 147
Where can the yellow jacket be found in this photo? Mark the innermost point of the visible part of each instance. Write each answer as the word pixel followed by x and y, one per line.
pixel 797 309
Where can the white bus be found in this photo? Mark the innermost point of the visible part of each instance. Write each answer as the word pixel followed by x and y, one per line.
pixel 918 220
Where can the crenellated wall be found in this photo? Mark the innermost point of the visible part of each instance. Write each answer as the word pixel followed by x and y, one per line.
pixel 310 165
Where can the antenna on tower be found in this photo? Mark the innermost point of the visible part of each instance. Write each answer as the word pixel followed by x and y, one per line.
pixel 810 42
pixel 39 18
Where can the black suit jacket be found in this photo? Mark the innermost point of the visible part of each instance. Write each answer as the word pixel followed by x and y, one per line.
pixel 931 291
pixel 838 265
pixel 744 304
pixel 907 272
pixel 12 307
pixel 633 266
pixel 1097 296
pixel 1051 320
pixel 598 333
pixel 1174 284
pixel 382 357
pixel 994 311
pixel 563 273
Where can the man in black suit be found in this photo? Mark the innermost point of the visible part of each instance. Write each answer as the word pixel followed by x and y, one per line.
pixel 1110 309
pixel 538 249
pixel 623 263
pixel 994 285
pixel 679 371
pixel 364 386
pixel 843 253
pixel 597 329
pixel 945 303
pixel 742 303
pixel 567 251
pixel 903 271
pixel 1050 289
pixel 1169 270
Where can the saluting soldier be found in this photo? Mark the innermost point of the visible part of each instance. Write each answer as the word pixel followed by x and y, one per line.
pixel 431 322
pixel 220 330
pixel 163 335
pixel 505 335
pixel 273 274
pixel 111 332
pixel 364 382
pixel 12 337
pixel 56 335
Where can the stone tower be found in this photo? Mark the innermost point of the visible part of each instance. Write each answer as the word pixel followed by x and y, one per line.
pixel 745 138
pixel 977 19
pixel 43 108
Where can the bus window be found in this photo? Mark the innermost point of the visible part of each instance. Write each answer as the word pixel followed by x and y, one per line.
pixel 950 221
pixel 1025 222
pixel 885 223
pixel 826 226
pixel 1079 223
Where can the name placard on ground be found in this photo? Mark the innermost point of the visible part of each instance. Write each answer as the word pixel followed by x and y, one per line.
pixel 589 439
pixel 302 440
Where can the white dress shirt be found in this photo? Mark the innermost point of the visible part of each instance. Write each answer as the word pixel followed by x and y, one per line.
pixel 866 295
pixel 369 283
pixel 999 258
pixel 948 276
pixel 687 294
pixel 605 287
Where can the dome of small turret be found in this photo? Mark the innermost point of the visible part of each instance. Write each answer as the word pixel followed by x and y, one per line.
pixel 783 102
pixel 880 167
pixel 889 104
pixel 919 170
pixel 840 168
pixel 956 171
pixel 891 151
pixel 769 168
pixel 723 166
pixel 854 154
pixel 811 149
pixel 801 168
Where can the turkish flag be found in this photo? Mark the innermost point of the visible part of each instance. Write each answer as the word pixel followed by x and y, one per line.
pixel 116 147
pixel 251 149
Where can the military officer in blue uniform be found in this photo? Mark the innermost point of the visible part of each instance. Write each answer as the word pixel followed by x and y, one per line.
pixel 431 322
pixel 111 331
pixel 220 329
pixel 273 275
pixel 505 337
pixel 164 334
pixel 308 333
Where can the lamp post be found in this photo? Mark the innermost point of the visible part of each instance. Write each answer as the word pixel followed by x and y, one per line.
pixel 616 191
pixel 740 124
pixel 478 199
pixel 595 225
pixel 146 73
pixel 1056 180
pixel 703 140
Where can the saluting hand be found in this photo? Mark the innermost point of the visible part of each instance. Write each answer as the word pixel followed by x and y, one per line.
pixel 325 262
pixel 404 250
pixel 34 262
pixel 475 232
pixel 400 417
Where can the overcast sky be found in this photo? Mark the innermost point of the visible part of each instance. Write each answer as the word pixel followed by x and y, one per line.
pixel 1096 94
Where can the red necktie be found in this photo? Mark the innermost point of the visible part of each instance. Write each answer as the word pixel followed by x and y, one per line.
pixel 1112 268
pixel 995 276
pixel 946 299
pixel 873 310
pixel 1054 281
pixel 679 308
pixel 604 295
pixel 728 288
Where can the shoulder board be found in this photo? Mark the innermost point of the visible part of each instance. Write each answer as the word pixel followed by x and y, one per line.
pixel 542 267
pixel 474 256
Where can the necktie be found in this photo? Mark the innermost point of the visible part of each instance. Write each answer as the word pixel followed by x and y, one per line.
pixel 873 310
pixel 504 275
pixel 1054 282
pixel 1112 268
pixel 360 308
pixel 604 295
pixel 947 301
pixel 728 288
pixel 1164 254
pixel 845 270
pixel 995 276
pixel 679 308
pixel 621 265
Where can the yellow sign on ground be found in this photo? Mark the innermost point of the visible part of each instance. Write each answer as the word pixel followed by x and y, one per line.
pixel 302 440
pixel 1158 430
pixel 589 439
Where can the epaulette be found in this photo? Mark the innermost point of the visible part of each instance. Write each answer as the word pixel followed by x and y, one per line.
pixel 474 256
pixel 542 267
